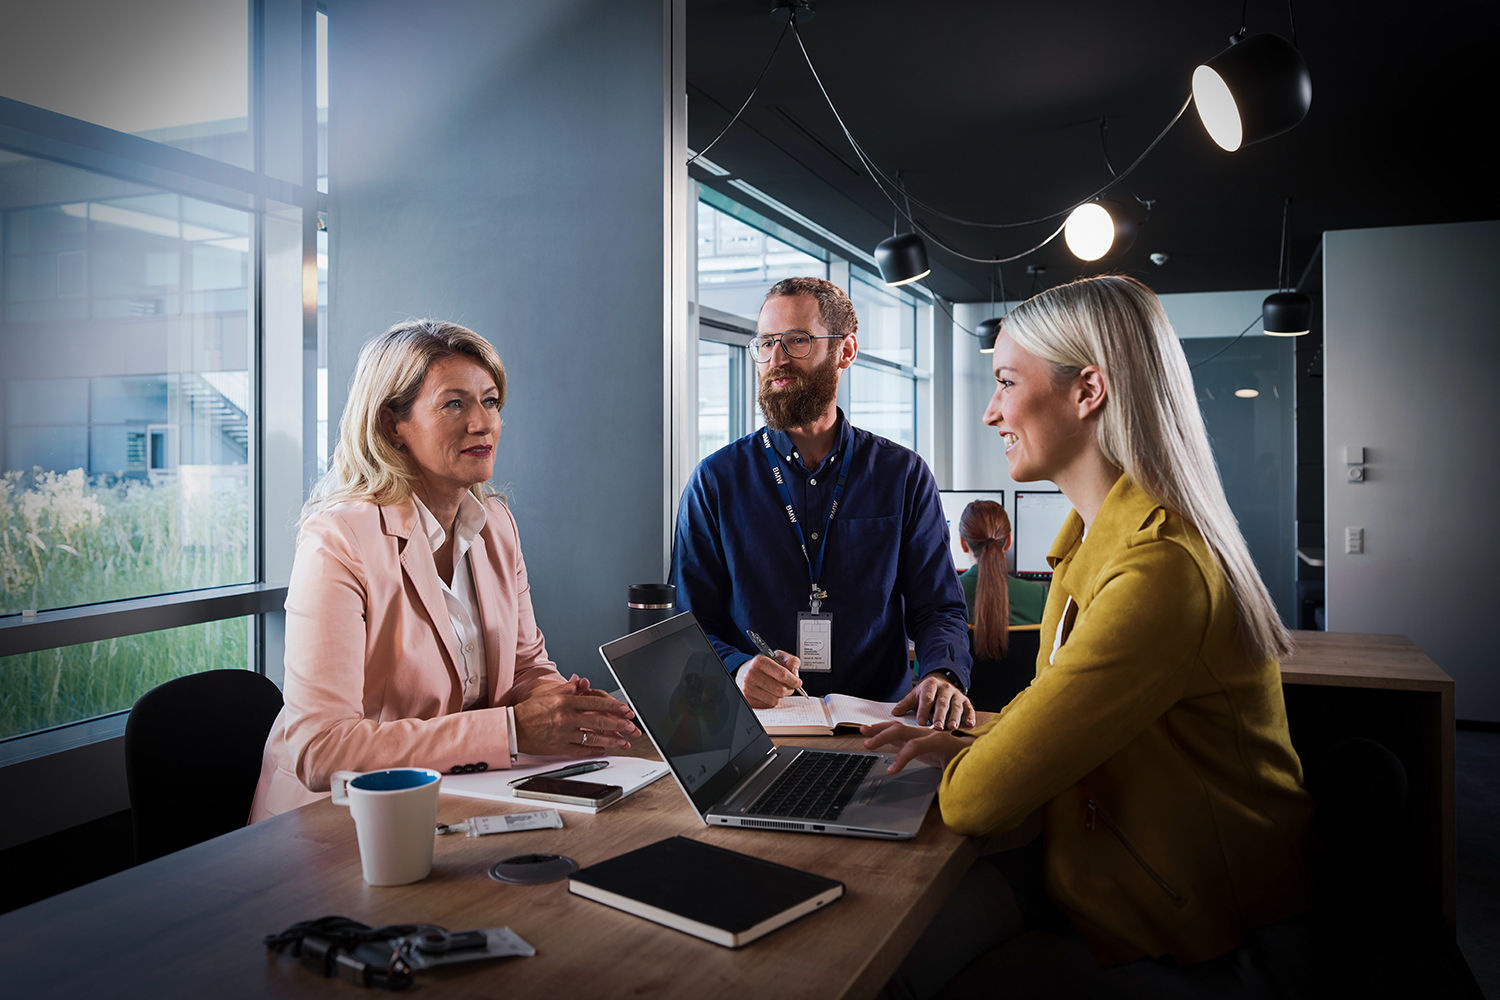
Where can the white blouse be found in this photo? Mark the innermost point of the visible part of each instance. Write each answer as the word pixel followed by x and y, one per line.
pixel 463 606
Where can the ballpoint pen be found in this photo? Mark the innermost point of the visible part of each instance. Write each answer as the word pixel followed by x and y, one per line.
pixel 770 654
pixel 564 772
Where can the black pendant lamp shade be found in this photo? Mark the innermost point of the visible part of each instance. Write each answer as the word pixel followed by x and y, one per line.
pixel 902 259
pixel 1286 314
pixel 988 332
pixel 1252 90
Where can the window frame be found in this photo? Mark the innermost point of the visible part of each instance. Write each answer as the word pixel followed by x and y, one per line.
pixel 719 327
pixel 282 35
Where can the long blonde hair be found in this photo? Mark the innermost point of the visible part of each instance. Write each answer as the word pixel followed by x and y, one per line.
pixel 367 466
pixel 1150 425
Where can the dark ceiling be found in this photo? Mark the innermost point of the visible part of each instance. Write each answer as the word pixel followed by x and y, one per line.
pixel 991 111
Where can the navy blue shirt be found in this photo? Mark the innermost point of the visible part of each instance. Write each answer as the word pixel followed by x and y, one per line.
pixel 887 569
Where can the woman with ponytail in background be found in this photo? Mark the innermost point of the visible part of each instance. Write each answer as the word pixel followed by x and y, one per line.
pixel 996 600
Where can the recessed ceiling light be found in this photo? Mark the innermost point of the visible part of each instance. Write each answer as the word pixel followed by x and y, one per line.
pixel 1247 393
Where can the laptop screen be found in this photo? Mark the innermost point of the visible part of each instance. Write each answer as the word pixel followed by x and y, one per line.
pixel 689 705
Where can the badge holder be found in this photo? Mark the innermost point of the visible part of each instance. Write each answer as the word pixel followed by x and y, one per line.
pixel 815 638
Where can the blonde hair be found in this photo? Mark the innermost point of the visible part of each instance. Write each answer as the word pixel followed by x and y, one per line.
pixel 367 467
pixel 1150 425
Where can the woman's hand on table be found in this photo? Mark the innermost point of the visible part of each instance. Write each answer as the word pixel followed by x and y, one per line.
pixel 571 719
pixel 914 743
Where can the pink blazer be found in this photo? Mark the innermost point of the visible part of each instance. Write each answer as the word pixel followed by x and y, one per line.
pixel 372 675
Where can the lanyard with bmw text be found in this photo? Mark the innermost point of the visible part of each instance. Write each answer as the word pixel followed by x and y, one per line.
pixel 814 569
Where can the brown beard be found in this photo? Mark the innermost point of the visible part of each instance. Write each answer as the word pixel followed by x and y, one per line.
pixel 804 400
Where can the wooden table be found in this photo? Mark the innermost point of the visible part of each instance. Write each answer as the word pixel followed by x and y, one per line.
pixel 190 924
pixel 1382 687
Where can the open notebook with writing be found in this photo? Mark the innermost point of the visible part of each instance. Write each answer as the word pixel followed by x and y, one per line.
pixel 799 716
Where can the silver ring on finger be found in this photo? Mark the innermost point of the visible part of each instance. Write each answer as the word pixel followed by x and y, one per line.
pixel 585 740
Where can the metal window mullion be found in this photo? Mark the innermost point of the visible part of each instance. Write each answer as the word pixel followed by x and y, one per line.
pixel 97 622
pixel 47 135
pixel 874 361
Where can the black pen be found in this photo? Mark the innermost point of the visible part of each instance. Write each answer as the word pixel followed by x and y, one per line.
pixel 564 772
pixel 770 654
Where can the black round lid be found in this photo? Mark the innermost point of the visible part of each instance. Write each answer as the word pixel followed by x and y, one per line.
pixel 653 593
pixel 533 869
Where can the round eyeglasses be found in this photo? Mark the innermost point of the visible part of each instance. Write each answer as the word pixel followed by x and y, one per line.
pixel 796 345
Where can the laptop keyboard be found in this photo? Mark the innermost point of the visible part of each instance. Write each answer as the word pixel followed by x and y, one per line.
pixel 817 786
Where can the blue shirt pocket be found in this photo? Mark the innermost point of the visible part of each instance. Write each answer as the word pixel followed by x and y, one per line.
pixel 869 551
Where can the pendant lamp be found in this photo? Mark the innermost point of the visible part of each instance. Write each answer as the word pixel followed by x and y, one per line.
pixel 988 332
pixel 1253 90
pixel 1099 229
pixel 1286 314
pixel 902 259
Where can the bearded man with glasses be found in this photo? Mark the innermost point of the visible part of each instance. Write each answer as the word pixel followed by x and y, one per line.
pixel 826 539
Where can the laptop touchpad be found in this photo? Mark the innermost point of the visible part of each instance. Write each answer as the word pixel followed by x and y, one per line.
pixel 912 783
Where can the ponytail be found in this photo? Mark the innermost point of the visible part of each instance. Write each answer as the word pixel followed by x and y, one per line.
pixel 986 528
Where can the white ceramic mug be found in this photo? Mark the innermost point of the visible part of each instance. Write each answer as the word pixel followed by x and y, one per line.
pixel 395 814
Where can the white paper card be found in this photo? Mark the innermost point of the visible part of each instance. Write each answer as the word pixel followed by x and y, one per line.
pixel 815 643
pixel 630 773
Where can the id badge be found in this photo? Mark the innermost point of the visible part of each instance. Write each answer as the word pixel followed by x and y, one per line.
pixel 815 642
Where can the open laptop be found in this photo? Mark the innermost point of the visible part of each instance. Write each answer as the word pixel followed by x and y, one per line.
pixel 726 764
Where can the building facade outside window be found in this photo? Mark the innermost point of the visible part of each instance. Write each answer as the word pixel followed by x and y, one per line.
pixel 153 249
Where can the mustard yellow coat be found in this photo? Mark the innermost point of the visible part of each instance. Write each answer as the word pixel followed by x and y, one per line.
pixel 1175 816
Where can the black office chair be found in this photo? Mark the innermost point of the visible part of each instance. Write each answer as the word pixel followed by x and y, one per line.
pixel 994 683
pixel 192 757
pixel 1360 789
pixel 1375 937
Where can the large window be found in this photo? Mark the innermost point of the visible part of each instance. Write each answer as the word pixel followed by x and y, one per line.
pixel 740 255
pixel 125 426
pixel 884 380
pixel 887 319
pixel 158 423
pixel 737 262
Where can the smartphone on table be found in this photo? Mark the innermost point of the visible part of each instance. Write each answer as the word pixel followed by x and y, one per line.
pixel 579 793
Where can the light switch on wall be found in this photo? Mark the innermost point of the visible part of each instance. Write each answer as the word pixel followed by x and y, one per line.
pixel 1354 541
pixel 1354 454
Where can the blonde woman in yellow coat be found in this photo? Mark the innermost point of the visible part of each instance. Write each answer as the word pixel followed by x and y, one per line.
pixel 1153 742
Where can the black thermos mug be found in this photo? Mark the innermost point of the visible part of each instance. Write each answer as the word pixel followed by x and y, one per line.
pixel 650 603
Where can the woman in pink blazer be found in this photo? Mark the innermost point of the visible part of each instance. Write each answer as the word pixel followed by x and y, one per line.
pixel 410 639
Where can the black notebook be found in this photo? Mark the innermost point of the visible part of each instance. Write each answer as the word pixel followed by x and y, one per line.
pixel 710 892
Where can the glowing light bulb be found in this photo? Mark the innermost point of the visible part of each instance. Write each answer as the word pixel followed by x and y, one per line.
pixel 1217 107
pixel 1090 231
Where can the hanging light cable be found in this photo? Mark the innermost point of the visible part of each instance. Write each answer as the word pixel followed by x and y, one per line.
pixel 748 97
pixel 877 175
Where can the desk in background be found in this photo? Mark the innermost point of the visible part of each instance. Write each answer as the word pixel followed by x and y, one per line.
pixel 1382 687
pixel 190 924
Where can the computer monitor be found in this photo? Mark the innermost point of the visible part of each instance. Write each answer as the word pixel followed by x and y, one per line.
pixel 954 502
pixel 1037 519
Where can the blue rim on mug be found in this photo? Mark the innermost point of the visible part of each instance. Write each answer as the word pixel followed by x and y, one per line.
pixel 394 780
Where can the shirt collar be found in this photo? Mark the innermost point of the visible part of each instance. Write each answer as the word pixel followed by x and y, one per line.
pixel 471 521
pixel 785 449
pixel 1126 509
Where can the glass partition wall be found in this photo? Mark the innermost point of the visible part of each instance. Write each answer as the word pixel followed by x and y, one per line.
pixel 158 223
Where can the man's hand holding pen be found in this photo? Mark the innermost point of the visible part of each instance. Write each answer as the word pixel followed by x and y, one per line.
pixel 766 681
